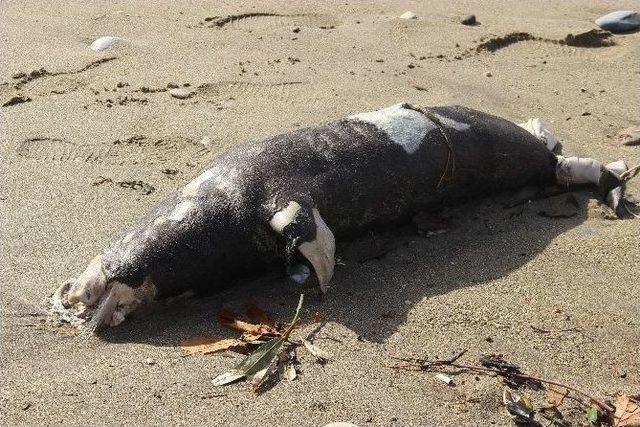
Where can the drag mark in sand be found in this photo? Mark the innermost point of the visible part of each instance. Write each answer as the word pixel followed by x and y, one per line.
pixel 589 39
pixel 24 78
pixel 271 20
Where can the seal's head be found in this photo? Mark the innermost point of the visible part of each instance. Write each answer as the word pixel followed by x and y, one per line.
pixel 113 300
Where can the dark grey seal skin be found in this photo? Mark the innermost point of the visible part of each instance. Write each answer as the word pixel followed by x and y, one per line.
pixel 261 204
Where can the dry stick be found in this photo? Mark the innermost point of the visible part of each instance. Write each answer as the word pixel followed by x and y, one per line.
pixel 630 173
pixel 595 400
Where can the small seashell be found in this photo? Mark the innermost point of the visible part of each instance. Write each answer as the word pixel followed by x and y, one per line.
pixel 408 15
pixel 104 43
pixel 180 93
pixel 206 141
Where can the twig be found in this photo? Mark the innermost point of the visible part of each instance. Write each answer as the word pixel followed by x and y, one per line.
pixel 549 331
pixel 630 173
pixel 424 365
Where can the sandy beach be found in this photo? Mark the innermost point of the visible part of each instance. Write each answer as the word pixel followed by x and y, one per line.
pixel 93 140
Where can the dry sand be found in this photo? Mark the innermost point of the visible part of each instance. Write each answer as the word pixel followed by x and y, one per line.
pixel 479 287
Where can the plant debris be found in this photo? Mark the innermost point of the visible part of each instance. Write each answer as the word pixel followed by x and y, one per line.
pixel 267 345
pixel 625 412
pixel 518 405
pixel 211 345
pixel 262 362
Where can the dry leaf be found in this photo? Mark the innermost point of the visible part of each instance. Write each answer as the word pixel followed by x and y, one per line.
pixel 257 315
pixel 627 411
pixel 228 377
pixel 211 345
pixel 320 354
pixel 290 372
pixel 555 395
pixel 262 362
pixel 231 320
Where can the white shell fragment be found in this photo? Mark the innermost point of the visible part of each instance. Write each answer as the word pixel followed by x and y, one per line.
pixel 104 43
pixel 180 93
pixel 444 378
pixel 408 15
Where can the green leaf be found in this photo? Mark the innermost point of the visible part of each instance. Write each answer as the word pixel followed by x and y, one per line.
pixel 259 362
pixel 593 415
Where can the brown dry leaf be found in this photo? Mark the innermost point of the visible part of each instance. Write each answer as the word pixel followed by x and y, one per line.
pixel 627 411
pixel 257 315
pixel 555 395
pixel 211 345
pixel 231 320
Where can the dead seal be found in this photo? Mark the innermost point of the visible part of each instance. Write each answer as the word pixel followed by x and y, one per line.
pixel 261 205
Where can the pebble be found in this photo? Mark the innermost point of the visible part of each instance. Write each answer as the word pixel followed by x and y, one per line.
pixel 206 141
pixel 104 43
pixel 149 361
pixel 180 93
pixel 619 21
pixel 630 136
pixel 468 20
pixel 488 74
pixel 173 85
pixel 408 15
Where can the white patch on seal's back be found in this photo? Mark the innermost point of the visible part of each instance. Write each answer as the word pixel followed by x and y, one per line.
pixel 459 126
pixel 191 188
pixel 404 126
pixel 178 213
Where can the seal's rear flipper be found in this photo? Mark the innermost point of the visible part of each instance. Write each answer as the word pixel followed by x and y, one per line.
pixel 611 186
pixel 303 228
pixel 577 171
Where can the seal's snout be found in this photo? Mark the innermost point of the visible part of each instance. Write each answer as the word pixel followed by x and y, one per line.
pixel 90 286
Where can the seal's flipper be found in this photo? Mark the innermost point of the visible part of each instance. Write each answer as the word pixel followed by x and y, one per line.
pixel 611 186
pixel 576 171
pixel 303 228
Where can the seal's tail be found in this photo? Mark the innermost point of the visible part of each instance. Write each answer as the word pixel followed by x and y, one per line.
pixel 579 171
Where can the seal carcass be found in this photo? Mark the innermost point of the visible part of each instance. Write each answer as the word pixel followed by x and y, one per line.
pixel 262 204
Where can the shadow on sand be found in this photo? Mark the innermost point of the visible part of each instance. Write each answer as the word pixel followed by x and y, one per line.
pixel 373 298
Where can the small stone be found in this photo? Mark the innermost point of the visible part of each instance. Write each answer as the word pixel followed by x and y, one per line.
pixel 408 15
pixel 149 361
pixel 629 136
pixel 468 20
pixel 206 141
pixel 19 75
pixel 172 85
pixel 296 30
pixel 583 90
pixel 26 406
pixel 488 74
pixel 181 93
pixel 620 21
